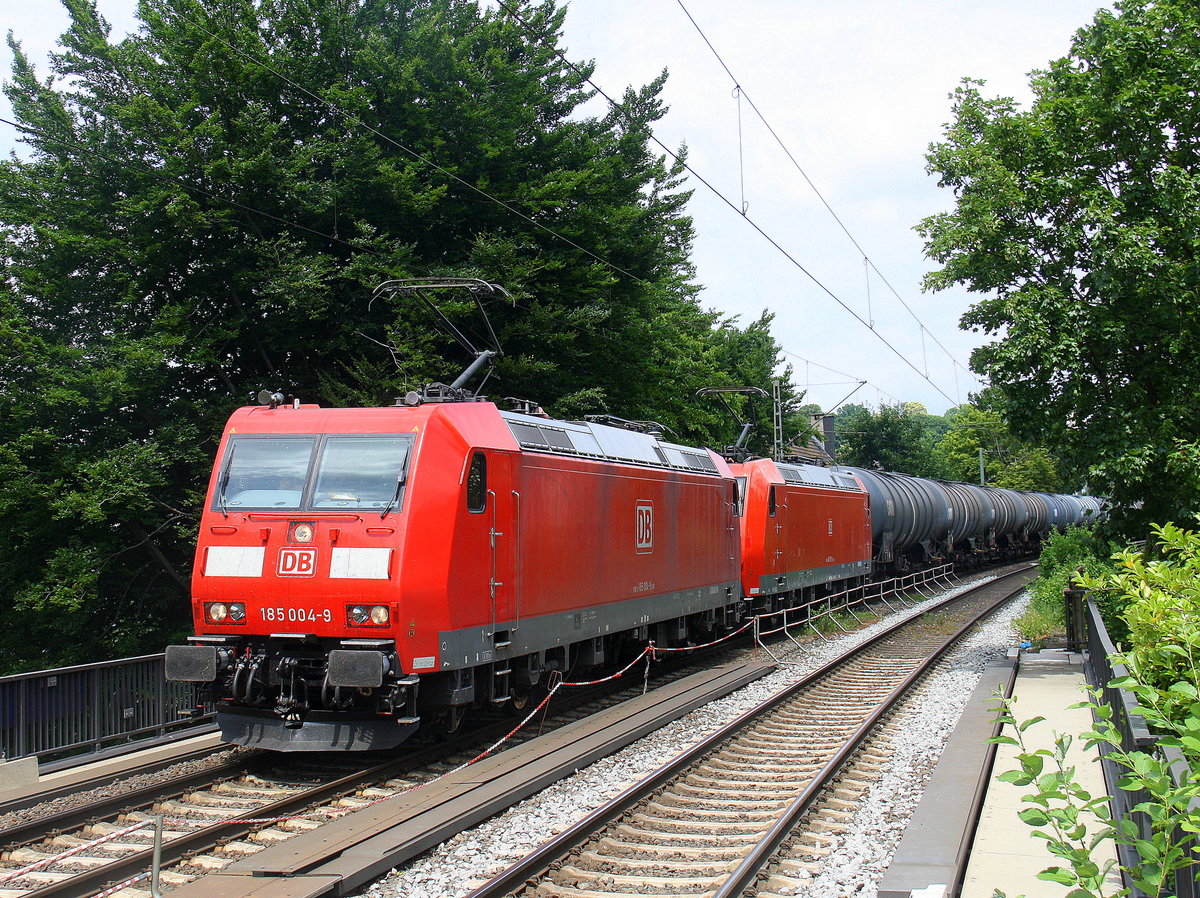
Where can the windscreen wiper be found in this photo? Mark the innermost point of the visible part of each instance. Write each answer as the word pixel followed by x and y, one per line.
pixel 401 479
pixel 225 479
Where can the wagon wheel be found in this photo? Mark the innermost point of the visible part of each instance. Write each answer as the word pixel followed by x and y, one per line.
pixel 520 700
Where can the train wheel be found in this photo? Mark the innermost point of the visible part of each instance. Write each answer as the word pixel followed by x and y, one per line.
pixel 451 720
pixel 522 700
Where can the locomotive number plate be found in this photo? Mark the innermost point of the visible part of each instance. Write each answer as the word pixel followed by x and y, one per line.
pixel 295 615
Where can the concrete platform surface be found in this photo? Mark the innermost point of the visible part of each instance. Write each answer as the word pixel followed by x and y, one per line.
pixel 1004 855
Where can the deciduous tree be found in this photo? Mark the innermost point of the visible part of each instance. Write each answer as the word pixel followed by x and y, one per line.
pixel 1077 220
pixel 202 209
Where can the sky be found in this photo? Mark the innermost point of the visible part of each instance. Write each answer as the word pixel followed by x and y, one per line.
pixel 855 91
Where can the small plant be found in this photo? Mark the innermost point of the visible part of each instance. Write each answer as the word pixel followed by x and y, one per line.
pixel 939 622
pixel 1160 599
pixel 1162 611
pixel 1036 626
pixel 837 621
pixel 1073 822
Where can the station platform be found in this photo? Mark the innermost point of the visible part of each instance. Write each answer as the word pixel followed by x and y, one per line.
pixel 944 853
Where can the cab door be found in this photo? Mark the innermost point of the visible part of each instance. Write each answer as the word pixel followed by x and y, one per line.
pixel 776 541
pixel 504 510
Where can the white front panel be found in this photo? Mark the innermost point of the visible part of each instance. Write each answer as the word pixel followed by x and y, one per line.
pixel 360 564
pixel 234 561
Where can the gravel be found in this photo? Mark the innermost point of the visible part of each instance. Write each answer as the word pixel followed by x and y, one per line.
pixel 79 799
pixel 858 859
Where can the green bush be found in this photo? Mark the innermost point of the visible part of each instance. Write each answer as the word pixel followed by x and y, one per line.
pixel 1063 553
pixel 1161 599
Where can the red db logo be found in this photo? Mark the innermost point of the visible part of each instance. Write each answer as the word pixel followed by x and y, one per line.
pixel 644 527
pixel 297 562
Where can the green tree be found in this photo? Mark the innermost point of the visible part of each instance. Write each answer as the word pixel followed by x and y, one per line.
pixel 1077 220
pixel 1008 461
pixel 203 210
pixel 892 439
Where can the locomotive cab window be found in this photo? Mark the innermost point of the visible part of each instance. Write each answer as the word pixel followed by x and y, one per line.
pixel 362 472
pixel 771 501
pixel 477 483
pixel 264 472
pixel 276 473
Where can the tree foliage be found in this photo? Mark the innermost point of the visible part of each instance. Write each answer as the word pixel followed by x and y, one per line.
pixel 1007 461
pixel 892 438
pixel 906 438
pixel 203 210
pixel 1077 220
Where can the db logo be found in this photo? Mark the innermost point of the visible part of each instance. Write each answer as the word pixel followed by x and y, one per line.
pixel 644 527
pixel 297 562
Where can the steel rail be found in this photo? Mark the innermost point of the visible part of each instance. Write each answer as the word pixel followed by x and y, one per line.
pixel 91 881
pixel 198 841
pixel 46 826
pixel 517 875
pixel 762 853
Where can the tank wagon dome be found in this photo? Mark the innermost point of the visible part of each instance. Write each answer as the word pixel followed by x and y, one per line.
pixel 906 511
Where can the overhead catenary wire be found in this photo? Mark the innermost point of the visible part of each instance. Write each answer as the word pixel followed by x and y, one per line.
pixel 852 378
pixel 787 152
pixel 425 160
pixel 516 16
pixel 68 145
pixel 163 176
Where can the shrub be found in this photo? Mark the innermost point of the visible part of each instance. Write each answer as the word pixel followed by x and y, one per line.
pixel 1063 553
pixel 1161 599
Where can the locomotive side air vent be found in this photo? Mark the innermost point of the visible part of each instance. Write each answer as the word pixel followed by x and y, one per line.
pixel 595 440
pixel 528 435
pixel 699 462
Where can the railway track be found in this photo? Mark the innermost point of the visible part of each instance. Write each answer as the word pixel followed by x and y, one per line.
pixel 756 807
pixel 277 796
pixel 200 839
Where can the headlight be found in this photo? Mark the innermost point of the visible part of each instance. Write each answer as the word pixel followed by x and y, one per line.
pixel 302 533
pixel 367 615
pixel 225 612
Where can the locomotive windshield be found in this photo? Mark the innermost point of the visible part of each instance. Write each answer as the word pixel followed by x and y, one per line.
pixel 313 472
pixel 361 472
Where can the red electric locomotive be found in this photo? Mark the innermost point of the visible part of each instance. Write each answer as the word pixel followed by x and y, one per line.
pixel 361 570
pixel 804 528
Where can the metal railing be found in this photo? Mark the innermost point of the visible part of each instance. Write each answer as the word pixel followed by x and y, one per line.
pixel 91 707
pixel 1086 625
pixel 808 615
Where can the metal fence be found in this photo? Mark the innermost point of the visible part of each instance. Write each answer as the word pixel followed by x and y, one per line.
pixel 1089 629
pixel 843 604
pixel 90 707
